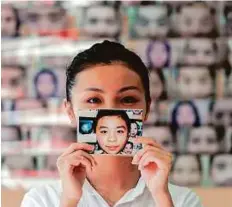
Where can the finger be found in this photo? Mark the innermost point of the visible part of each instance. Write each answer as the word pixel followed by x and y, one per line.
pixel 81 153
pixel 140 153
pixel 77 146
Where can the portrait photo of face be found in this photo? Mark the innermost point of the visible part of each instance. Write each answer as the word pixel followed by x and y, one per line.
pixel 204 139
pixel 10 22
pixel 186 170
pixel 152 21
pixel 221 112
pixel 112 133
pixel 158 54
pixel 190 24
pixel 195 82
pixel 45 19
pixel 102 21
pixel 185 114
pixel 162 135
pixel 134 130
pixel 13 81
pixel 128 149
pixel 11 133
pixel 157 85
pixel 200 51
pixel 46 84
pixel 221 168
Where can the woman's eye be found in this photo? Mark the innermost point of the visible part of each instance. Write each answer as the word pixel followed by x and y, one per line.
pixel 103 132
pixel 120 131
pixel 94 100
pixel 129 100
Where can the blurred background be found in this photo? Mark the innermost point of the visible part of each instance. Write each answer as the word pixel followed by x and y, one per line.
pixel 186 45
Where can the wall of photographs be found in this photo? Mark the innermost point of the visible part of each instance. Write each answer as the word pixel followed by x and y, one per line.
pixel 189 56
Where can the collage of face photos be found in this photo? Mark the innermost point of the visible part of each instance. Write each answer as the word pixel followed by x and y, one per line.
pixel 189 57
pixel 110 131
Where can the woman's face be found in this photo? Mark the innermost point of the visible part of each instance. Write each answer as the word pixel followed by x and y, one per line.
pixel 200 51
pixel 185 115
pixel 128 149
pixel 156 86
pixel 221 170
pixel 186 171
pixel 134 130
pixel 8 20
pixel 158 54
pixel 195 82
pixel 101 21
pixel 112 134
pixel 45 85
pixel 152 21
pixel 102 91
pixel 203 140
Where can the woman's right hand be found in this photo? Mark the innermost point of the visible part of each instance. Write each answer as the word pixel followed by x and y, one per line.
pixel 72 166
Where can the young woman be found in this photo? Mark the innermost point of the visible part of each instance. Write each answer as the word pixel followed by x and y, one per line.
pixel 109 76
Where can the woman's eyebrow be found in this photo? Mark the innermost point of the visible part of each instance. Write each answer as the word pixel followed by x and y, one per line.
pixel 129 88
pixel 121 127
pixel 94 89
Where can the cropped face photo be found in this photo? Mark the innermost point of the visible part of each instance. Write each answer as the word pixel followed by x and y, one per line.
pixel 200 51
pixel 9 21
pixel 101 22
pixel 203 140
pixel 112 134
pixel 134 130
pixel 13 82
pixel 158 54
pixel 162 135
pixel 190 24
pixel 10 133
pixel 221 169
pixel 186 171
pixel 151 21
pixel 222 112
pixel 128 149
pixel 194 82
pixel 45 19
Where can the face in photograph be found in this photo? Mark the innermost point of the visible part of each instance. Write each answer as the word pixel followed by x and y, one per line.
pixel 46 84
pixel 185 114
pixel 45 19
pixel 13 82
pixel 200 51
pixel 186 171
pixel 158 54
pixel 203 140
pixel 10 133
pixel 162 136
pixel 134 130
pixel 152 21
pixel 195 82
pixel 9 21
pixel 128 148
pixel 221 169
pixel 190 24
pixel 112 133
pixel 101 21
pixel 222 112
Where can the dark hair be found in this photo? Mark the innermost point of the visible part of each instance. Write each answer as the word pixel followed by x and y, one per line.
pixel 107 53
pixel 175 111
pixel 149 49
pixel 54 79
pixel 131 144
pixel 104 112
pixel 177 155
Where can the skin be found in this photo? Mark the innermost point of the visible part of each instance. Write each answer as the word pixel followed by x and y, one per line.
pixel 112 134
pixel 195 82
pixel 134 130
pixel 203 140
pixel 75 164
pixel 8 22
pixel 128 149
pixel 200 51
pixel 185 115
pixel 186 171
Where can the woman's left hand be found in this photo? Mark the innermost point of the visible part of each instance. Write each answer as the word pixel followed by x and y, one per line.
pixel 154 163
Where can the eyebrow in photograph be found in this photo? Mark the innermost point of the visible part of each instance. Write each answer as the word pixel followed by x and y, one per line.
pixel 105 127
pixel 120 91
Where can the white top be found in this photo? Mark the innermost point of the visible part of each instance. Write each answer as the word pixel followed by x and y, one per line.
pixel 49 196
